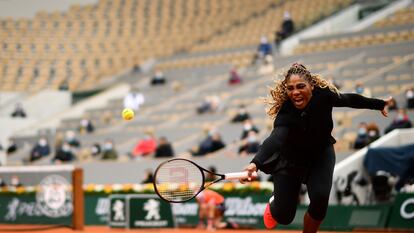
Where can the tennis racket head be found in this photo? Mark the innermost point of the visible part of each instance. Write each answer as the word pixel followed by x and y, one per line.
pixel 178 180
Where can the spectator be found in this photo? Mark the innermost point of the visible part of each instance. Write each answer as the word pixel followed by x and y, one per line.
pixel 86 126
pixel 40 150
pixel 362 136
pixel 210 144
pixel 164 148
pixel 250 145
pixel 64 85
pixel 158 79
pixel 401 121
pixel 19 111
pixel 149 177
pixel 134 100
pixel 241 115
pixel 409 96
pixel 264 48
pixel 64 154
pixel 360 89
pixel 247 127
pixel 210 177
pixel 15 182
pixel 11 147
pixel 393 105
pixel 2 183
pixel 210 104
pixel 234 76
pixel 373 132
pixel 145 146
pixel 70 138
pixel 96 149
pixel 286 29
pixel 108 151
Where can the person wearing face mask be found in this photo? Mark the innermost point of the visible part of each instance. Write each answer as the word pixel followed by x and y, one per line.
pixel 401 121
pixel 64 154
pixel 108 150
pixel 247 127
pixel 146 146
pixel 40 150
pixel 241 115
pixel 362 137
pixel 373 132
pixel 409 96
pixel 361 90
pixel 15 182
pixel 250 145
pixel 300 146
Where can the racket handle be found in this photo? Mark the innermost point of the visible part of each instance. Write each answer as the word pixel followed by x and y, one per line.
pixel 238 175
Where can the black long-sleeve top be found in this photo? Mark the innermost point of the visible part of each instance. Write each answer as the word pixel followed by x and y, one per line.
pixel 298 133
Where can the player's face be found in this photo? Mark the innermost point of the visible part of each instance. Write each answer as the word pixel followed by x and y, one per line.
pixel 299 91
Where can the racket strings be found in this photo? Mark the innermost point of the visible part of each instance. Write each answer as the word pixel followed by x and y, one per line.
pixel 178 180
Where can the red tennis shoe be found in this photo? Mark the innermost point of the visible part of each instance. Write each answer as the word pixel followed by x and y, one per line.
pixel 268 220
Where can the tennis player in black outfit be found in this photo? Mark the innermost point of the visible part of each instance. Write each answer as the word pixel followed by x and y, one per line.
pixel 300 147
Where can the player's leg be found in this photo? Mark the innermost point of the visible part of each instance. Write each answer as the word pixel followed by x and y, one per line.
pixel 202 215
pixel 319 186
pixel 282 205
pixel 211 208
pixel 218 216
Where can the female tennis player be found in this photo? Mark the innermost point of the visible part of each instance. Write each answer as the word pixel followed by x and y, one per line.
pixel 300 147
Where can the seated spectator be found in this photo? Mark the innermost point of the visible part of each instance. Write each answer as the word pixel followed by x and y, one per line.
pixel 86 126
pixel 249 145
pixel 234 76
pixel 362 138
pixel 96 149
pixel 108 150
pixel 64 85
pixel 264 49
pixel 40 150
pixel 393 106
pixel 15 182
pixel 145 146
pixel 11 147
pixel 209 176
pixel 247 127
pixel 409 96
pixel 401 121
pixel 373 132
pixel 210 104
pixel 211 143
pixel 241 115
pixel 134 100
pixel 286 29
pixel 149 177
pixel 64 154
pixel 158 79
pixel 2 183
pixel 164 148
pixel 362 90
pixel 70 138
pixel 18 111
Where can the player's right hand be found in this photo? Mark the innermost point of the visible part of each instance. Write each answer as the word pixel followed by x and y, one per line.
pixel 251 168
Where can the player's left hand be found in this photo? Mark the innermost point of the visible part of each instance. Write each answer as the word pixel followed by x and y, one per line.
pixel 388 102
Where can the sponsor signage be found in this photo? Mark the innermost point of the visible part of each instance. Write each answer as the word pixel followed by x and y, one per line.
pixel 118 211
pixel 402 215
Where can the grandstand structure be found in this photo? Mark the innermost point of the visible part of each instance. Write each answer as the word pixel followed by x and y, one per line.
pixel 195 43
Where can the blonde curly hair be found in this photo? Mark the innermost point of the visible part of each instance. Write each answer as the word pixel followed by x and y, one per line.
pixel 278 94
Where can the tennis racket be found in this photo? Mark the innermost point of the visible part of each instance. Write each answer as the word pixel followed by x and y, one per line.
pixel 180 180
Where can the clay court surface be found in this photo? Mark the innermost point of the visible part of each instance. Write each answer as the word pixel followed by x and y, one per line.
pixel 99 229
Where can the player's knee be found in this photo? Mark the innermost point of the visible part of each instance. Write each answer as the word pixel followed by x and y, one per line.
pixel 284 216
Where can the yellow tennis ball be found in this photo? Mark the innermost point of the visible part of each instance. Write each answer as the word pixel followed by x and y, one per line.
pixel 128 114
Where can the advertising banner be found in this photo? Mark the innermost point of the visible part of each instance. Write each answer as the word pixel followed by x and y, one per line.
pixel 402 214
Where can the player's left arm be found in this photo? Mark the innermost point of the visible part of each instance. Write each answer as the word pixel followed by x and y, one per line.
pixel 353 100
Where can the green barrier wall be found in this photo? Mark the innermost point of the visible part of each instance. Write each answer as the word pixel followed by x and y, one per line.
pixel 246 210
